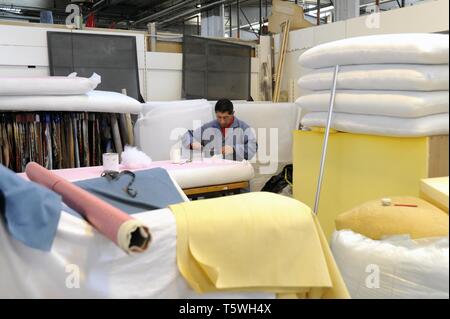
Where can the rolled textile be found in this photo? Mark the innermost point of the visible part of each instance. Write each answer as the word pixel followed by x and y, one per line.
pixel 128 233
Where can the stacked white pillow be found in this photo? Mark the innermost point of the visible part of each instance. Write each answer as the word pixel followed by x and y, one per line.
pixel 395 85
pixel 60 93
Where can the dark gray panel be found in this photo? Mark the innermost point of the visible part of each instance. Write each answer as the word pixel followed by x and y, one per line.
pixel 225 68
pixel 113 57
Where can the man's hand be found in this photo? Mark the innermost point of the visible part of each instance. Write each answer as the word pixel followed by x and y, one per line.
pixel 196 146
pixel 227 150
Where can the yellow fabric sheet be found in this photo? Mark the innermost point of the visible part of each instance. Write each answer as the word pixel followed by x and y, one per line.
pixel 255 242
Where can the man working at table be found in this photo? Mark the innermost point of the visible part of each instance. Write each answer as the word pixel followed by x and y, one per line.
pixel 227 135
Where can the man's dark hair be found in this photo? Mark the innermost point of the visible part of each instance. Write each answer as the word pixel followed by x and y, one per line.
pixel 224 105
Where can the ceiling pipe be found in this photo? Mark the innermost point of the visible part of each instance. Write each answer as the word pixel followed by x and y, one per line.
pixel 318 12
pixel 193 11
pixel 162 12
pixel 198 10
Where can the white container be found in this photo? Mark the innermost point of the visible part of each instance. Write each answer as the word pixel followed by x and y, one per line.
pixel 111 162
pixel 176 155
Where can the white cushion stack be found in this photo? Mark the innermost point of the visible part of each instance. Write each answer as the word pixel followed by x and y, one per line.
pixel 394 85
pixel 60 93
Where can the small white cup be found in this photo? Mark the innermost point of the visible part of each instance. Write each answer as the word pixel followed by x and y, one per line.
pixel 176 156
pixel 111 162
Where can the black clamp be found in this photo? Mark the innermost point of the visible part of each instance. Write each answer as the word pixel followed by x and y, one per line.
pixel 114 175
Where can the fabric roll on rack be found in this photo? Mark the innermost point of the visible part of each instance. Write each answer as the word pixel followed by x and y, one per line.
pixel 58 140
pixel 128 233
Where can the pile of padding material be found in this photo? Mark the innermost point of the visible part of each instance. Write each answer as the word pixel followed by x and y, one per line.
pixel 393 251
pixel 60 93
pixel 392 85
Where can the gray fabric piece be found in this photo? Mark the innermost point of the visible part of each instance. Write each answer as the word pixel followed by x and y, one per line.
pixel 154 187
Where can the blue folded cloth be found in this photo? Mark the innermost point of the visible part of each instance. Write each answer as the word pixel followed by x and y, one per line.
pixel 30 211
pixel 154 189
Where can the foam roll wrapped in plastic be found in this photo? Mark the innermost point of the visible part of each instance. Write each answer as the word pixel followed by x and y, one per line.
pixel 385 77
pixel 436 124
pixel 408 104
pixel 94 101
pixel 48 85
pixel 128 233
pixel 409 48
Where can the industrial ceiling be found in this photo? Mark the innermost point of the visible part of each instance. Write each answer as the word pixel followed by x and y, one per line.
pixel 136 14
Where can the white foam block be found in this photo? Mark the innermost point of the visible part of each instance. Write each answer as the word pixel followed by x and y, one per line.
pixel 48 85
pixel 94 101
pixel 410 48
pixel 161 129
pixel 385 103
pixel 172 105
pixel 381 125
pixel 400 77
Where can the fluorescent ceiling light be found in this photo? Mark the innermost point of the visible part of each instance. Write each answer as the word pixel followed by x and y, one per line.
pixel 10 9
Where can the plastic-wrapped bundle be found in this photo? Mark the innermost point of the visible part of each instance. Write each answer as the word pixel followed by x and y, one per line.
pixel 408 48
pixel 393 85
pixel 385 103
pixel 397 267
pixel 49 85
pixel 397 77
pixel 94 101
pixel 381 125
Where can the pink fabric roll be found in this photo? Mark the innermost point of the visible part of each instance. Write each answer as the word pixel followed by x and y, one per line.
pixel 127 232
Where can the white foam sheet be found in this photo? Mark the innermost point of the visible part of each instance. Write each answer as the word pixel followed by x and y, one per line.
pixel 413 269
pixel 172 105
pixel 381 125
pixel 384 103
pixel 48 85
pixel 408 48
pixel 283 118
pixel 161 129
pixel 94 101
pixel 154 128
pixel 400 77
